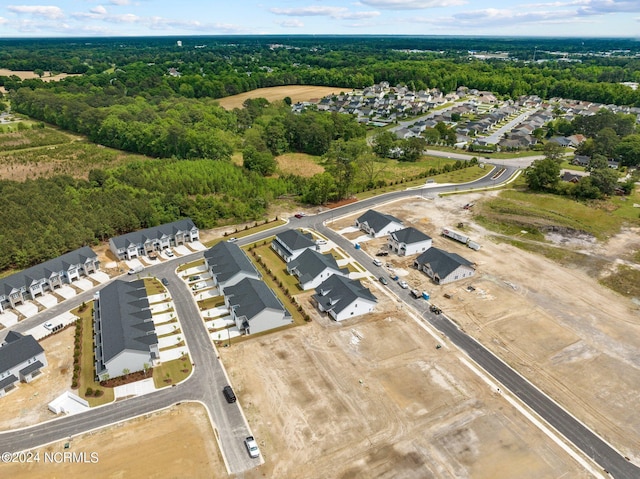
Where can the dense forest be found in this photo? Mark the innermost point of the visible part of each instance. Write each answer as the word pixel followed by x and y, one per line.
pixel 152 97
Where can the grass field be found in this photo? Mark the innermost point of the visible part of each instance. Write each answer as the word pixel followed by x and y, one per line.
pixel 299 164
pixel 295 92
pixel 514 211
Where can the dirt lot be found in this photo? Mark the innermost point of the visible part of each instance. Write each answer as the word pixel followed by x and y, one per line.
pixel 295 92
pixel 161 445
pixel 27 404
pixel 566 333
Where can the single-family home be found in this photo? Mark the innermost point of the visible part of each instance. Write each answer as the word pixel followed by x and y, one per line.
pixel 124 334
pixel 254 307
pixel 312 268
pixel 408 241
pixel 156 238
pixel 292 243
pixel 571 177
pixel 378 224
pixel 21 359
pixel 228 265
pixel 32 282
pixel 581 160
pixel 343 298
pixel 444 267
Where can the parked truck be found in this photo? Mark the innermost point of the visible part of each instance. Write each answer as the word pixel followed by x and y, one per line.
pixel 136 269
pixel 473 245
pixel 456 235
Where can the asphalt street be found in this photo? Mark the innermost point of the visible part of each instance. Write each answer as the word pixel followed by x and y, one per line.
pixel 206 382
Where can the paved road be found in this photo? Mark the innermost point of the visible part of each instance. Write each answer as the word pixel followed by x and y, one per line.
pixel 208 378
pixel 496 136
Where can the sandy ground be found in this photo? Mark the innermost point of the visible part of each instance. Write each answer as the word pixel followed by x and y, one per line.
pixel 558 326
pixel 295 92
pixel 175 443
pixel 25 75
pixel 27 404
pixel 373 397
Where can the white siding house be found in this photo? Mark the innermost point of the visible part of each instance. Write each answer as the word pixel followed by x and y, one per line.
pixel 444 267
pixel 408 241
pixel 312 268
pixel 21 359
pixel 378 224
pixel 157 238
pixel 292 243
pixel 228 265
pixel 343 298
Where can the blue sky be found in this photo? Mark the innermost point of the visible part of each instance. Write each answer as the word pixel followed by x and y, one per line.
pixel 64 18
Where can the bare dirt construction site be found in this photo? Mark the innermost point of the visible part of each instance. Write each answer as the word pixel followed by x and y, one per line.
pixel 174 443
pixel 295 92
pixel 27 404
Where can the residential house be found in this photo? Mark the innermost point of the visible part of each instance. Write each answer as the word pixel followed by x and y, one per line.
pixel 312 268
pixel 444 267
pixel 254 307
pixel 571 177
pixel 408 241
pixel 157 238
pixel 378 224
pixel 32 282
pixel 124 334
pixel 343 298
pixel 21 359
pixel 581 160
pixel 292 243
pixel 614 165
pixel 228 265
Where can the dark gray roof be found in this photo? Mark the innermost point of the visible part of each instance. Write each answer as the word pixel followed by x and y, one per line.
pixel 8 381
pixel 155 232
pixel 227 259
pixel 46 269
pixel 376 220
pixel 18 349
pixel 31 368
pixel 311 263
pixel 295 240
pixel 125 323
pixel 338 292
pixel 441 262
pixel 410 235
pixel 251 296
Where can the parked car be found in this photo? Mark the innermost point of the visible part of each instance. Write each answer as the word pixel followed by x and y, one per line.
pixel 434 309
pixel 229 394
pixel 415 293
pixel 233 240
pixel 377 262
pixel 48 326
pixel 169 253
pixel 136 269
pixel 194 278
pixel 321 241
pixel 165 281
pixel 403 284
pixel 300 215
pixel 382 253
pixel 383 280
pixel 252 446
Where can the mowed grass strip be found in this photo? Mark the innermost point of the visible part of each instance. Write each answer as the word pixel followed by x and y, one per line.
pixel 514 211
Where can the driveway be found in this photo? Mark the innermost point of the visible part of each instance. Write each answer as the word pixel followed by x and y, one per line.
pixel 47 300
pixel 27 309
pixel 8 319
pixel 66 291
pixel 84 284
pixel 182 250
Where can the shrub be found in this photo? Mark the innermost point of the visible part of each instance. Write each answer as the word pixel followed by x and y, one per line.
pixel 89 392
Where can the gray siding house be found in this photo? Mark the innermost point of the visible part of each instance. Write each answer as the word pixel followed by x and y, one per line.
pixel 21 359
pixel 292 243
pixel 254 307
pixel 408 241
pixel 228 265
pixel 312 268
pixel 141 243
pixel 124 333
pixel 35 281
pixel 444 267
pixel 343 298
pixel 378 224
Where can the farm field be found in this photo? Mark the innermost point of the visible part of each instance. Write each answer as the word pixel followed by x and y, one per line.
pixel 295 92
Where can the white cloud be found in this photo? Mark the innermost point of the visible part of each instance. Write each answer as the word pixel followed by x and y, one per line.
pixel 99 10
pixel 3 21
pixel 293 23
pixel 125 18
pixel 323 11
pixel 602 7
pixel 412 4
pixel 120 2
pixel 46 11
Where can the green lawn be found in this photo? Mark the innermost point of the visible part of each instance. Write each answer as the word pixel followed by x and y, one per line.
pixel 209 303
pixel 171 372
pixel 192 264
pixel 278 267
pixel 87 366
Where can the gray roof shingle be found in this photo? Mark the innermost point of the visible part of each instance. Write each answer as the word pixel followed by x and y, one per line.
pixel 46 269
pixel 227 259
pixel 441 262
pixel 18 349
pixel 125 320
pixel 410 235
pixel 376 220
pixel 295 240
pixel 311 263
pixel 338 292
pixel 155 232
pixel 251 296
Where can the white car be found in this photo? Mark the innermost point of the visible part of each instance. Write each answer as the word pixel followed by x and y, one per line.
pixel 377 262
pixel 233 240
pixel 169 253
pixel 321 241
pixel 48 326
pixel 403 284
pixel 252 446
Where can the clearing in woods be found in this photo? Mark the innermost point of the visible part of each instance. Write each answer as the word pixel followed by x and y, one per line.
pixel 295 92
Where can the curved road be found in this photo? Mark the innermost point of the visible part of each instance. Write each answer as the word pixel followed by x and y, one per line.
pixel 208 377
